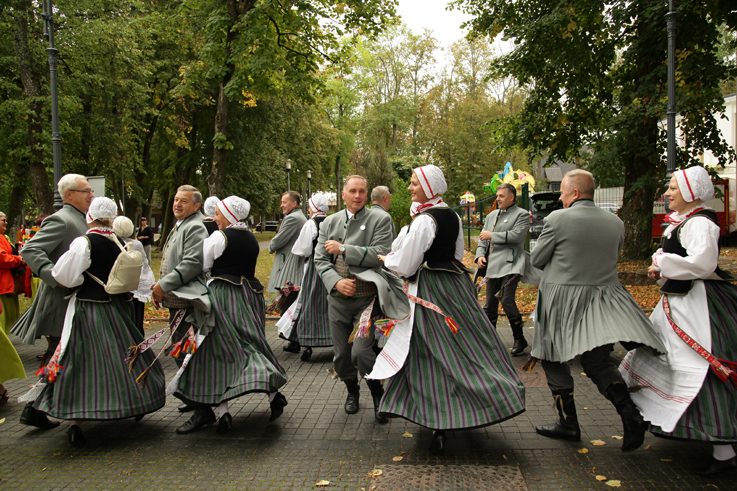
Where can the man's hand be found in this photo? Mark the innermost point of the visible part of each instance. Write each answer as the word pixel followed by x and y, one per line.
pixel 485 235
pixel 158 294
pixel 653 272
pixel 346 287
pixel 481 261
pixel 332 247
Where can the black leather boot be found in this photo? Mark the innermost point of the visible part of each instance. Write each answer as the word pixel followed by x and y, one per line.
pixel 33 417
pixel 202 416
pixel 633 424
pixel 277 406
pixel 377 391
pixel 566 428
pixel 520 343
pixel 351 402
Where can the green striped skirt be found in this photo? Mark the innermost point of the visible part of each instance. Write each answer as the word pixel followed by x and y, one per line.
pixel 96 382
pixel 712 415
pixel 235 358
pixel 312 326
pixel 453 381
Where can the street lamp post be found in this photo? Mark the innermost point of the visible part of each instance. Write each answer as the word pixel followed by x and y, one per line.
pixel 288 165
pixel 309 178
pixel 670 18
pixel 48 11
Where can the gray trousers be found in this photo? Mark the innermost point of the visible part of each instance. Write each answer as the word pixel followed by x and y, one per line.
pixel 508 286
pixel 350 360
pixel 597 364
pixel 147 250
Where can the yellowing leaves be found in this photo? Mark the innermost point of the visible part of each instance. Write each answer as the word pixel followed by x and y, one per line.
pixel 598 443
pixel 249 100
pixel 322 483
pixel 599 477
pixel 407 434
pixel 397 458
pixel 375 473
pixel 583 451
pixel 614 483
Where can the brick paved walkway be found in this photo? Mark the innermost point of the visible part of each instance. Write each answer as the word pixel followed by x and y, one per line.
pixel 315 440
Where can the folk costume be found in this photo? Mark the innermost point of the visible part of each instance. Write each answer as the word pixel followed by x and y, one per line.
pixel 682 394
pixel 445 365
pixel 233 358
pixel 582 309
pixel 88 377
pixel 364 236
pixel 306 320
pixel 208 208
pixel 506 261
pixel 10 265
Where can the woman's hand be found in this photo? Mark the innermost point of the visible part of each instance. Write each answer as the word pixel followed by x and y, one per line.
pixel 653 272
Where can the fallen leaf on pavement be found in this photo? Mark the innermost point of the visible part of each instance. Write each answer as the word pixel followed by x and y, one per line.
pixel 617 437
pixel 332 373
pixel 2 421
pixel 598 443
pixel 583 450
pixel 407 434
pixel 583 374
pixel 375 473
pixel 613 483
pixel 397 458
pixel 601 478
pixel 322 483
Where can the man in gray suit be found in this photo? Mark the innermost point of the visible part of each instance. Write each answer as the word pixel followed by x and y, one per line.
pixel 346 258
pixel 381 201
pixel 45 317
pixel 181 262
pixel 501 251
pixel 583 310
pixel 288 268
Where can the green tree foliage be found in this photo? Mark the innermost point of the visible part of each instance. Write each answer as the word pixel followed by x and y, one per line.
pixel 595 73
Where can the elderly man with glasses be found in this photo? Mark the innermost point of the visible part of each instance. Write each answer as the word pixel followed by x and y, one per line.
pixel 45 317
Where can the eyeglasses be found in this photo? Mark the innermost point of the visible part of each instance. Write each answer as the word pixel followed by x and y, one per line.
pixel 88 190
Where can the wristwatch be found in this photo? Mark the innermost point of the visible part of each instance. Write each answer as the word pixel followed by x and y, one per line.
pixel 342 249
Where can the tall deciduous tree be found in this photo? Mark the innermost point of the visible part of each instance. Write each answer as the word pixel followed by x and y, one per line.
pixel 596 75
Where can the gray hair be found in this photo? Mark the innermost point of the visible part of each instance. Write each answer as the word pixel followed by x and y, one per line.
pixel 581 180
pixel 196 195
pixel 3 215
pixel 67 182
pixel 354 176
pixel 380 193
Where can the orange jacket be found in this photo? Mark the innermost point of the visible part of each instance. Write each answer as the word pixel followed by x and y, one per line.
pixel 8 262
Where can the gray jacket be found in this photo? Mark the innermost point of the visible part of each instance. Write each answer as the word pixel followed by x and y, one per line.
pixel 365 236
pixel 287 267
pixel 46 314
pixel 183 253
pixel 509 230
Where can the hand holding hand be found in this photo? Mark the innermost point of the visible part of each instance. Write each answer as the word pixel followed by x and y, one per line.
pixel 346 287
pixel 157 294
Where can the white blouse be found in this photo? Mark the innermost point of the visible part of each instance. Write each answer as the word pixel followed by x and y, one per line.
pixel 69 269
pixel 700 237
pixel 303 245
pixel 212 248
pixel 407 259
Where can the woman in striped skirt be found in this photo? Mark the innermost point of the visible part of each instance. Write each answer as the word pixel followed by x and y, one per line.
pixel 234 358
pixel 456 373
pixel 88 377
pixel 683 394
pixel 309 314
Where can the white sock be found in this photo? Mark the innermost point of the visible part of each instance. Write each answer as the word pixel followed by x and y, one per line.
pixel 221 409
pixel 271 396
pixel 722 452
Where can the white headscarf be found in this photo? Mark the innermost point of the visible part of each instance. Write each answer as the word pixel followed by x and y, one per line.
pixel 318 202
pixel 210 206
pixel 101 207
pixel 694 183
pixel 431 179
pixel 123 226
pixel 234 208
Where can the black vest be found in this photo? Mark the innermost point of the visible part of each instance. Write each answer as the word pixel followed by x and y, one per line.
pixel 673 245
pixel 239 257
pixel 103 253
pixel 443 247
pixel 318 220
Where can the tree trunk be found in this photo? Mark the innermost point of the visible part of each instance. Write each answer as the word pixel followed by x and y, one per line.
pixel 31 81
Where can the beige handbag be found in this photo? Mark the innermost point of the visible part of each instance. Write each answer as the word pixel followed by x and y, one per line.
pixel 126 271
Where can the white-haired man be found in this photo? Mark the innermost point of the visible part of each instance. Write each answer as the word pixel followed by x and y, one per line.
pixel 45 317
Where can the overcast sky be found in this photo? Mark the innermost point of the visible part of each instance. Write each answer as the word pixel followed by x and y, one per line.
pixel 432 14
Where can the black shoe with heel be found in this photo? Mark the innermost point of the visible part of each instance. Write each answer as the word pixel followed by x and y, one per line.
pixel 33 417
pixel 202 416
pixel 76 437
pixel 277 406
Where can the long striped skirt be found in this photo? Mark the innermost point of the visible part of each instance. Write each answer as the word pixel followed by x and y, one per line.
pixel 235 358
pixel 312 326
pixel 712 415
pixel 96 382
pixel 453 381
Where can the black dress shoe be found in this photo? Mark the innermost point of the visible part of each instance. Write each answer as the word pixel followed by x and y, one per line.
pixel 306 354
pixel 718 467
pixel 33 417
pixel 277 406
pixel 202 416
pixel 437 446
pixel 76 437
pixel 292 347
pixel 185 408
pixel 351 403
pixel 560 431
pixel 519 347
pixel 225 424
